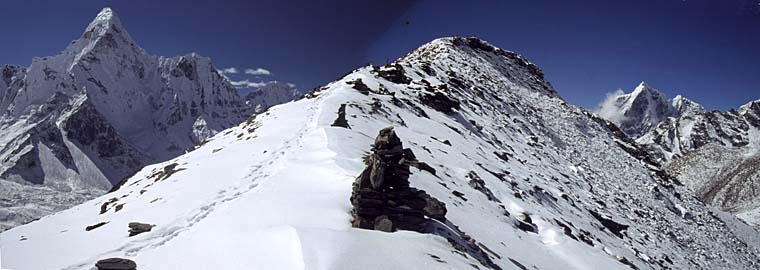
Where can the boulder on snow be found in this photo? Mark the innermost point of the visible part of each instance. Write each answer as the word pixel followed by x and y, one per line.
pixel 136 228
pixel 116 264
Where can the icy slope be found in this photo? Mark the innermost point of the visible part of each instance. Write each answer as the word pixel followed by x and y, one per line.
pixel 100 110
pixel 272 193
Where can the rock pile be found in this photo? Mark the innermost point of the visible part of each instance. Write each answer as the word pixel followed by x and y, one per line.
pixel 382 198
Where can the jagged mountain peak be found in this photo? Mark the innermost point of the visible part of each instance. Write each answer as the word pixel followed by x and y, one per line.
pixel 643 90
pixel 639 111
pixel 684 105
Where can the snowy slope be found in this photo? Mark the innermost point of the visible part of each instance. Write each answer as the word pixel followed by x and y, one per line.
pixel 273 192
pixel 100 110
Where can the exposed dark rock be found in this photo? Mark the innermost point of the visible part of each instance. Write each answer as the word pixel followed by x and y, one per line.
pixel 416 109
pixel 478 184
pixel 585 236
pixel 92 227
pixel 315 92
pixel 341 120
pixel 525 223
pixel 165 172
pixel 459 194
pixel 393 73
pixel 116 264
pixel 625 261
pixel 359 85
pixel 439 101
pixel 614 227
pixel 123 181
pixel 566 230
pixel 136 228
pixel 518 264
pixel 104 206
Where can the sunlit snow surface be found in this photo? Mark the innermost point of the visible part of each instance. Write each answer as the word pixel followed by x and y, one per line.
pixel 272 193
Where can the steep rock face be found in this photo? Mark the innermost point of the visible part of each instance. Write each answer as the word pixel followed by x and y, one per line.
pixel 103 108
pixel 535 182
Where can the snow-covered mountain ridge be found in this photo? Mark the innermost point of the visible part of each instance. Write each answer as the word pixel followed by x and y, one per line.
pixel 100 110
pixel 539 183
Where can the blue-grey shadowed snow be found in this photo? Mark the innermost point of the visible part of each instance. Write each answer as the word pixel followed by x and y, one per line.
pixel 703 49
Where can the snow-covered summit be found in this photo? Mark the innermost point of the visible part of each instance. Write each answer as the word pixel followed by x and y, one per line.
pixel 534 182
pixel 106 22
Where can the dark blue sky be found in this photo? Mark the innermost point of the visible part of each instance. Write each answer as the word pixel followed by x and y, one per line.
pixel 707 50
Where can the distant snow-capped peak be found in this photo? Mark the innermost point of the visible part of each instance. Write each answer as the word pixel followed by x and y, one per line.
pixel 641 110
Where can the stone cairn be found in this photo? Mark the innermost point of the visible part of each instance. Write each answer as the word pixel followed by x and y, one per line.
pixel 382 199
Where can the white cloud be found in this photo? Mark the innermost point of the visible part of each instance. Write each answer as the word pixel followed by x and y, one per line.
pixel 247 84
pixel 609 109
pixel 230 70
pixel 258 72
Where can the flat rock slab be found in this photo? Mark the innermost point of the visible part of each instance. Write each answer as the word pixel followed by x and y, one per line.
pixel 136 228
pixel 116 264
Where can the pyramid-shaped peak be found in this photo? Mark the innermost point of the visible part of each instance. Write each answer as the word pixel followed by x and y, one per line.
pixel 105 22
pixel 644 90
pixel 106 17
pixel 643 87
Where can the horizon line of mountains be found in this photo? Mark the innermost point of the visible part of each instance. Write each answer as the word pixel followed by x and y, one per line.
pixel 629 186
